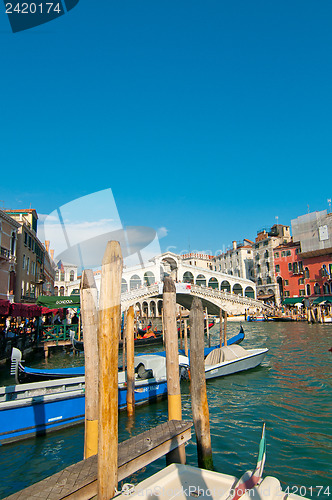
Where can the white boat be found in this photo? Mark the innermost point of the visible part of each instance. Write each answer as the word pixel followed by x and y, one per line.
pixel 228 360
pixel 181 482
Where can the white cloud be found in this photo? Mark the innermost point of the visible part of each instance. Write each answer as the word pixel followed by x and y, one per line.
pixel 162 232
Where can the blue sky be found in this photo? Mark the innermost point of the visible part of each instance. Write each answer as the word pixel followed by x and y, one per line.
pixel 205 117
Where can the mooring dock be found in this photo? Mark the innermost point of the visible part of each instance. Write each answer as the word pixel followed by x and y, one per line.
pixel 79 481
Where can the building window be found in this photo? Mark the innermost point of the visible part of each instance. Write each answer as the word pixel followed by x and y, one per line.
pixel 288 253
pixel 316 289
pixel 276 255
pixel 286 282
pixel 306 273
pixel 289 266
pixel 57 275
pixel 259 281
pixel 23 262
pixel 286 293
pixel 295 268
pixel 297 251
pixel 308 290
pixel 25 238
pixel 300 266
pixel 71 275
pixel 28 265
pixel 301 281
pixel 268 280
pixel 277 268
pixel 62 278
pixel 301 293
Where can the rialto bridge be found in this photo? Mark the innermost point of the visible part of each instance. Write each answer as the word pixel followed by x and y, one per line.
pixel 142 287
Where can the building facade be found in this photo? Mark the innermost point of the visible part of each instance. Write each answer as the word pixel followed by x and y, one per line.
pixel 8 246
pixel 30 256
pixel 263 257
pixel 65 276
pixel 237 260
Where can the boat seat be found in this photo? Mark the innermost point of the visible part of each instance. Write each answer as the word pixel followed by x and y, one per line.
pixel 214 357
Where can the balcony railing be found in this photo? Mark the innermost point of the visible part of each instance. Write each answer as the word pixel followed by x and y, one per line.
pixel 4 252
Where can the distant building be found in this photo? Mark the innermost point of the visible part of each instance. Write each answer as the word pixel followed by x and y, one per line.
pixel 263 254
pixel 299 276
pixel 8 240
pixel 65 276
pixel 237 260
pixel 198 259
pixel 30 256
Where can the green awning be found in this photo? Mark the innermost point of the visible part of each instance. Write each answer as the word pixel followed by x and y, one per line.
pixel 319 300
pixel 59 302
pixel 292 300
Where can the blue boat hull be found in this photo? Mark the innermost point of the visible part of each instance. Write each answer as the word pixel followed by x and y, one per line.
pixel 20 421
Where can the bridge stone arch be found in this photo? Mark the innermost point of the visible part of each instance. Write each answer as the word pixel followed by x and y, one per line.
pixel 124 286
pixel 237 289
pixel 149 278
pixel 249 292
pixel 201 280
pixel 225 286
pixel 135 282
pixel 169 266
pixel 213 283
pixel 188 277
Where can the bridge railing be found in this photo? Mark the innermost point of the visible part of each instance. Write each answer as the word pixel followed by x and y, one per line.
pixel 149 291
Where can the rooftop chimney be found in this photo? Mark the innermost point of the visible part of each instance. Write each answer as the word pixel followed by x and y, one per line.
pixel 234 245
pixel 52 254
pixel 47 245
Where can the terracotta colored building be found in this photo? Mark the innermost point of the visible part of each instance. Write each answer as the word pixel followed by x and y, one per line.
pixel 299 275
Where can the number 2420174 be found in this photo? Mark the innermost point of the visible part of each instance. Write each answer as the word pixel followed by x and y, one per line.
pixel 33 8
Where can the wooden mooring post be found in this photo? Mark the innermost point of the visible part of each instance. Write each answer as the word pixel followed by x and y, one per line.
pixel 225 328
pixel 130 362
pixel 199 403
pixel 109 334
pixel 90 327
pixel 186 337
pixel 207 327
pixel 220 326
pixel 172 364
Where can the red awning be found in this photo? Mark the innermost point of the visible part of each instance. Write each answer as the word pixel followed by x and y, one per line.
pixel 25 310
pixel 4 307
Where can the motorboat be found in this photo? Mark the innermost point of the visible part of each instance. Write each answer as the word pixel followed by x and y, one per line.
pixel 32 409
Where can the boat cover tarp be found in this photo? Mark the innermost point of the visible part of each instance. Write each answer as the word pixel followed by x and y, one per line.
pixel 59 302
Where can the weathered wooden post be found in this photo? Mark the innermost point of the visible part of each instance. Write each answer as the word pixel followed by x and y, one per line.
pixel 199 403
pixel 181 343
pixel 207 326
pixel 220 326
pixel 90 327
pixel 225 328
pixel 109 330
pixel 172 364
pixel 186 337
pixel 130 362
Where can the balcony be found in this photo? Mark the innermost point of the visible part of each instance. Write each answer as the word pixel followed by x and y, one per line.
pixel 40 278
pixel 4 253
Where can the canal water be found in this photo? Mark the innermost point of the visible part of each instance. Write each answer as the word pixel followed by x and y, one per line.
pixel 291 392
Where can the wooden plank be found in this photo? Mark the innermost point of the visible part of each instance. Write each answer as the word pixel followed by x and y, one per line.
pixel 79 481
